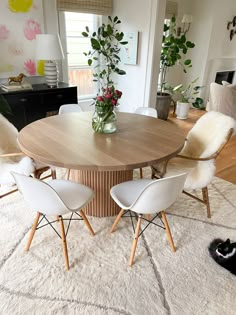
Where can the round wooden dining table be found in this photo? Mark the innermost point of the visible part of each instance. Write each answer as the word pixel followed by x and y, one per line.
pixel 100 161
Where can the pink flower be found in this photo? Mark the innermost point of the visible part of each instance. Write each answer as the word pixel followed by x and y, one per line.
pixel 3 32
pixel 118 93
pixel 30 67
pixel 32 28
pixel 100 99
pixel 109 96
pixel 114 101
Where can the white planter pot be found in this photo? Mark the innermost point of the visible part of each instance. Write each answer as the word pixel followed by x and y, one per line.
pixel 182 110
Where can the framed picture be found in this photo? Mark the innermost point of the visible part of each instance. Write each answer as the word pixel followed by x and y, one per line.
pixel 130 51
pixel 21 21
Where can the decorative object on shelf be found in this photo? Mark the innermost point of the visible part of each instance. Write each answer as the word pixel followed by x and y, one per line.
pixel 186 21
pixel 16 87
pixel 105 45
pixel 172 52
pixel 48 48
pixel 17 79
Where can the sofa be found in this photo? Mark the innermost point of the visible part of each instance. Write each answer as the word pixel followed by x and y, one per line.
pixel 222 98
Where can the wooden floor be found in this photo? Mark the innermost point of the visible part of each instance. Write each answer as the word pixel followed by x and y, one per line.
pixel 226 162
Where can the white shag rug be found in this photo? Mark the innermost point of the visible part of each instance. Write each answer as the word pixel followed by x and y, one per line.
pixel 100 281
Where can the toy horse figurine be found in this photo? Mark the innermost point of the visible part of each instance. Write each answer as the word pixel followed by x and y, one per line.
pixel 17 79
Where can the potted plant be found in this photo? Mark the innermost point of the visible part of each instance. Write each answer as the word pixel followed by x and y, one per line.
pixel 186 96
pixel 105 44
pixel 172 53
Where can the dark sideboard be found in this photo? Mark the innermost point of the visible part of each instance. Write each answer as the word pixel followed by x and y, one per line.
pixel 42 101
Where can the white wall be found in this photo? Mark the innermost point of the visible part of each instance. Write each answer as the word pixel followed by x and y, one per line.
pixel 136 85
pixel 214 51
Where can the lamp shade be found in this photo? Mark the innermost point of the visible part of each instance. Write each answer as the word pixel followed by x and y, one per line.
pixel 48 47
pixel 187 18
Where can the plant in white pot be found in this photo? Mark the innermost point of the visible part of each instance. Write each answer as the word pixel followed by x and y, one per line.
pixel 187 96
pixel 173 49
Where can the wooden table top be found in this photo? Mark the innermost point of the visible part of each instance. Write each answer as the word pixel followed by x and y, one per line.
pixel 69 141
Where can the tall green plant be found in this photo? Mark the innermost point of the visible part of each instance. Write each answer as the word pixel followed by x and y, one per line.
pixel 105 44
pixel 173 50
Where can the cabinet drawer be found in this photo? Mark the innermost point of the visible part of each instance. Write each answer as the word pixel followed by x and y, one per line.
pixel 59 97
pixel 23 99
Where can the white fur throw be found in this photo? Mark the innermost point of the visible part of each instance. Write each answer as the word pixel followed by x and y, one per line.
pixel 8 144
pixel 203 140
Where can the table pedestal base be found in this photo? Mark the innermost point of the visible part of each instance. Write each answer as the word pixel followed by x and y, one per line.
pixel 102 204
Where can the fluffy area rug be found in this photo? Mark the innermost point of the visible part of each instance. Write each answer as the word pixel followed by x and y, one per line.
pixel 100 281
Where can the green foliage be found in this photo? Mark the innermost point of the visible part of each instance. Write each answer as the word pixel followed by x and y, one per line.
pixel 187 94
pixel 4 106
pixel 173 50
pixel 105 44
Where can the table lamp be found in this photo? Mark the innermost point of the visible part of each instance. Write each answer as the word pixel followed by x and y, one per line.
pixel 48 48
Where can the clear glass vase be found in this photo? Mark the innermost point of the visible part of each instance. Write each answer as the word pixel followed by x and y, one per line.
pixel 104 119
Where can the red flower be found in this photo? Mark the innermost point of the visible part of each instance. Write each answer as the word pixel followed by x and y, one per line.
pixel 100 99
pixel 114 101
pixel 118 93
pixel 109 96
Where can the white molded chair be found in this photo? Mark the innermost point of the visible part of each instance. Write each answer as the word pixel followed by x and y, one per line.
pixel 147 111
pixel 147 196
pixel 13 159
pixel 203 145
pixel 54 198
pixel 69 108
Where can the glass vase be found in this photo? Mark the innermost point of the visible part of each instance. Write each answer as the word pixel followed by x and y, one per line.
pixel 104 119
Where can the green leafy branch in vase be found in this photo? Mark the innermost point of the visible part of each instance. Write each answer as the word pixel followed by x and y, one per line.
pixel 104 57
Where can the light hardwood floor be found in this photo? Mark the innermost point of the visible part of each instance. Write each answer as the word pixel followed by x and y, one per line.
pixel 226 162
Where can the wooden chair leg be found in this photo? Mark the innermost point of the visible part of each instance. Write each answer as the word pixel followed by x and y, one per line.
pixel 135 241
pixel 141 172
pixel 206 201
pixel 168 233
pixel 117 220
pixel 54 175
pixel 68 174
pixel 64 244
pixel 86 221
pixel 32 232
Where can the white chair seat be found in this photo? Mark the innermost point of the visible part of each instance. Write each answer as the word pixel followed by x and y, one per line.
pixel 69 108
pixel 69 192
pixel 55 198
pixel 134 189
pixel 146 197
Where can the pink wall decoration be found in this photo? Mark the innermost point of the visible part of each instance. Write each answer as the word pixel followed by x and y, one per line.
pixel 31 29
pixel 20 22
pixel 4 33
pixel 30 67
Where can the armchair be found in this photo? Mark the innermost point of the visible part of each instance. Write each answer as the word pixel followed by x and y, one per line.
pixel 12 159
pixel 203 144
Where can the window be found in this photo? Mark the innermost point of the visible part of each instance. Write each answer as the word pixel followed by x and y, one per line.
pixel 79 73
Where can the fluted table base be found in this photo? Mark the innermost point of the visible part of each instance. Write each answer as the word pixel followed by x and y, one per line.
pixel 102 204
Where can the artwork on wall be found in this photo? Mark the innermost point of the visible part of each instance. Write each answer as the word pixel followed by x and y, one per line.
pixel 130 51
pixel 20 22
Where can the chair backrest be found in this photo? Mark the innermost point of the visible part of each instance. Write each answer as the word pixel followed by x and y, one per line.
pixel 208 135
pixel 8 137
pixel 159 194
pixel 69 108
pixel 39 195
pixel 147 111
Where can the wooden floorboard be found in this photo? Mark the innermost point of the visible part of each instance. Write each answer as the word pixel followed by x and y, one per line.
pixel 226 161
